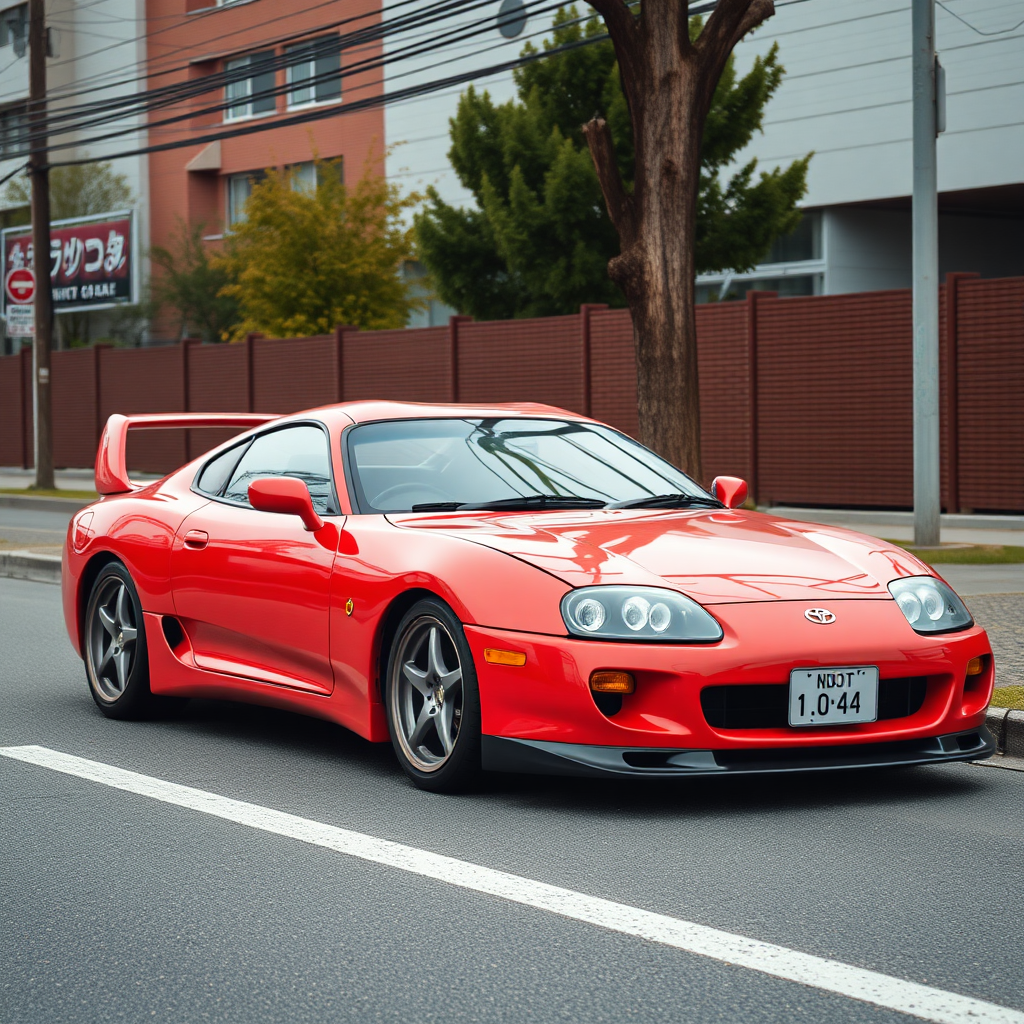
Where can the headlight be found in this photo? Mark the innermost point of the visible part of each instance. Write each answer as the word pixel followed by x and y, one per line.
pixel 929 605
pixel 637 613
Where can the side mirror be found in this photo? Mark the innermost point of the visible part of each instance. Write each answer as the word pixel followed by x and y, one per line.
pixel 287 495
pixel 731 491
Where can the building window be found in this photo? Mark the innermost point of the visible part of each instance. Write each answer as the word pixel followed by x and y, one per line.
pixel 13 28
pixel 251 93
pixel 314 72
pixel 13 122
pixel 310 175
pixel 304 177
pixel 240 187
pixel 802 243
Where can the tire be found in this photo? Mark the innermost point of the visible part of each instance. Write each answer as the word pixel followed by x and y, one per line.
pixel 433 701
pixel 116 658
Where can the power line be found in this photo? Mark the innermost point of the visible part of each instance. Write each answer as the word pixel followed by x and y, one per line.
pixel 74 87
pixel 173 95
pixel 318 115
pixel 394 97
pixel 351 41
pixel 999 32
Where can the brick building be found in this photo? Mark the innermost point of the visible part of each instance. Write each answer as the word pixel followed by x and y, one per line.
pixel 281 60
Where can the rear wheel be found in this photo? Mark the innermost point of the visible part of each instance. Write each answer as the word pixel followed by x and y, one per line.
pixel 116 660
pixel 433 703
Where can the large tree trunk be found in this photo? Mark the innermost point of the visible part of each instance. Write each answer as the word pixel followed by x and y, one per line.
pixel 668 83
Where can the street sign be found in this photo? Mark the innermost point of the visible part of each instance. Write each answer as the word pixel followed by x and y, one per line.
pixel 20 321
pixel 21 286
pixel 92 261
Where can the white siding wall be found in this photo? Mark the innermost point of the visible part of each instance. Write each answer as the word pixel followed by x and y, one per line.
pixel 846 96
pixel 417 130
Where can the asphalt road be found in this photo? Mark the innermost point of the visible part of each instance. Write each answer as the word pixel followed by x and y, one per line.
pixel 117 907
pixel 30 528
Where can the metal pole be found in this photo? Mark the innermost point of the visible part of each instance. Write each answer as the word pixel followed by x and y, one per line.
pixel 926 279
pixel 43 313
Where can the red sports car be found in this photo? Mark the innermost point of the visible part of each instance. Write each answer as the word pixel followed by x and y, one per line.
pixel 513 588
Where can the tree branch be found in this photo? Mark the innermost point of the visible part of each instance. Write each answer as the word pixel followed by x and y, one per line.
pixel 730 21
pixel 624 29
pixel 616 198
pixel 621 21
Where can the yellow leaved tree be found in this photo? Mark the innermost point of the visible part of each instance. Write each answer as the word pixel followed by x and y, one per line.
pixel 308 258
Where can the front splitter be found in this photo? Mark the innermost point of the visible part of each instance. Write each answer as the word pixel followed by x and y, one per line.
pixel 541 757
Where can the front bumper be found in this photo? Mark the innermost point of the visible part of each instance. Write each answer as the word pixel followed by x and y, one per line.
pixel 547 700
pixel 503 754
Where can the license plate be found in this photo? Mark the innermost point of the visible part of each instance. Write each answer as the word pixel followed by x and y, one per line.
pixel 833 696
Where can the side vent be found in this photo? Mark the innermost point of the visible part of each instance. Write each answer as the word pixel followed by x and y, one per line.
pixel 173 633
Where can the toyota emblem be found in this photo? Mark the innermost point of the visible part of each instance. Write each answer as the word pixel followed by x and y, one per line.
pixel 822 616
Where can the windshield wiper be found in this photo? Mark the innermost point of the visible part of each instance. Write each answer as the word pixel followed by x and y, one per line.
pixel 523 503
pixel 529 501
pixel 668 501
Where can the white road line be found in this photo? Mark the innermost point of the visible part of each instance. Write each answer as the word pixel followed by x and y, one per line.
pixel 907 997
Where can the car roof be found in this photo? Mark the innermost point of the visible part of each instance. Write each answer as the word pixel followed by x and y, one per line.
pixel 370 411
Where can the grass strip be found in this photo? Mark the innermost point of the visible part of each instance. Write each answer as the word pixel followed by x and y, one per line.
pixel 974 554
pixel 1008 697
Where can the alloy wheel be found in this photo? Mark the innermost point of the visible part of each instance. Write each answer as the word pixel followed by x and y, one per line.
pixel 113 633
pixel 427 693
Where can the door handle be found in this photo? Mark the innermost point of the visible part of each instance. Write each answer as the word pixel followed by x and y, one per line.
pixel 197 539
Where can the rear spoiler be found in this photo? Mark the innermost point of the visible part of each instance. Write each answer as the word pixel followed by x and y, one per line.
pixel 111 464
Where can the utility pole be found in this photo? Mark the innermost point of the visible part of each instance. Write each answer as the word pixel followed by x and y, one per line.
pixel 926 278
pixel 43 308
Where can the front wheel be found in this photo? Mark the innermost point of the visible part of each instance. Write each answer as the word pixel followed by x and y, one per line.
pixel 432 699
pixel 116 660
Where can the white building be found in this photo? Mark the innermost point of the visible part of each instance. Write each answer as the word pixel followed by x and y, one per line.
pixel 417 129
pixel 97 52
pixel 846 97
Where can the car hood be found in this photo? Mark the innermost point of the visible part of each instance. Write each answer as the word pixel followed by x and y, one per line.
pixel 715 556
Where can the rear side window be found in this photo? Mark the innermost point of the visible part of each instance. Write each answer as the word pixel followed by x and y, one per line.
pixel 216 472
pixel 300 451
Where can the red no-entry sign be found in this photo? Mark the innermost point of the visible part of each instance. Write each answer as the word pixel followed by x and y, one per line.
pixel 21 286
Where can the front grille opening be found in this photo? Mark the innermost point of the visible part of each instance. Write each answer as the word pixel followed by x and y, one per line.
pixel 899 698
pixel 796 757
pixel 969 740
pixel 758 706
pixel 766 705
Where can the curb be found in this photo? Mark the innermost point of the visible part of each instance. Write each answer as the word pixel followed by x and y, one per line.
pixel 1008 728
pixel 33 504
pixel 24 565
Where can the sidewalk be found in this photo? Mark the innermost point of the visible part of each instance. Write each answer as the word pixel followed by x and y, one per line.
pixel 956 529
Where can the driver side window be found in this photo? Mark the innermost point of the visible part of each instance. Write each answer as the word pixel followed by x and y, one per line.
pixel 301 452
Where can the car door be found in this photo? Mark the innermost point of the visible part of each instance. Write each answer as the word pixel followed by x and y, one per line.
pixel 252 589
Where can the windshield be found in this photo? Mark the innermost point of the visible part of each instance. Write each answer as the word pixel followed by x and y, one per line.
pixel 399 464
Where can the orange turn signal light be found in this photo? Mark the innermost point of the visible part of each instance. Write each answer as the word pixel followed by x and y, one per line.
pixel 607 681
pixel 975 666
pixel 496 657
